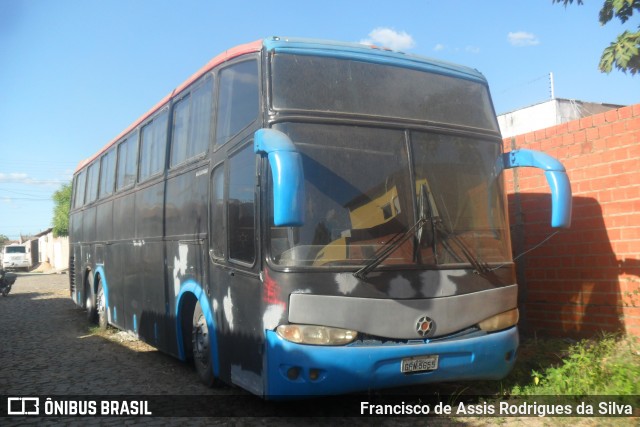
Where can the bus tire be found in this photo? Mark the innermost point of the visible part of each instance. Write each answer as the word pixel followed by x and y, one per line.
pixel 90 300
pixel 201 347
pixel 101 307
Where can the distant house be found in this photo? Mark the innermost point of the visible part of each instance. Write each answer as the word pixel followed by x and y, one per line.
pixel 546 114
pixel 53 251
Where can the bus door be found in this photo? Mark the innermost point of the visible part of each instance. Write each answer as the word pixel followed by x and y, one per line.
pixel 235 268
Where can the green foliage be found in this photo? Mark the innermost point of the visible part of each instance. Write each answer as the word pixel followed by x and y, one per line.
pixel 3 240
pixel 624 52
pixel 62 204
pixel 606 367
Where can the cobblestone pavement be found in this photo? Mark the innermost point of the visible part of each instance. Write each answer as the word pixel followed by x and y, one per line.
pixel 47 347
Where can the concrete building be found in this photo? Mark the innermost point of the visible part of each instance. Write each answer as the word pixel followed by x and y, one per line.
pixel 546 114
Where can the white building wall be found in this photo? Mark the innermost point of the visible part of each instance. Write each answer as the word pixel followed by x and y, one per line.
pixel 547 114
pixel 54 251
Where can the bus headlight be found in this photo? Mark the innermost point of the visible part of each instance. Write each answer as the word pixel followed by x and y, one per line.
pixel 500 321
pixel 317 335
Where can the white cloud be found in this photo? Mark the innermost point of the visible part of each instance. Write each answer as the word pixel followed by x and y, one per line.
pixel 14 177
pixel 472 49
pixel 23 178
pixel 522 38
pixel 439 47
pixel 390 38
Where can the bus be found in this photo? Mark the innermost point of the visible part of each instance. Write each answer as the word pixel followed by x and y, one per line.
pixel 305 217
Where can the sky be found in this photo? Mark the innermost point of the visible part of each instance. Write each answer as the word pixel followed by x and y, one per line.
pixel 75 73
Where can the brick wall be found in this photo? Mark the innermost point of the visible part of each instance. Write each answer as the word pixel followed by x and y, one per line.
pixel 587 278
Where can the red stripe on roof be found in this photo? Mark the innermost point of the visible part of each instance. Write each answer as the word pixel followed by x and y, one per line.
pixel 223 57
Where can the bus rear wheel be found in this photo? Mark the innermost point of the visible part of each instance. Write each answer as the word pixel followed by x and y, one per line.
pixel 201 347
pixel 89 299
pixel 101 306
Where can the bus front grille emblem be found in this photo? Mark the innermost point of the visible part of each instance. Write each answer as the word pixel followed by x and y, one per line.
pixel 424 326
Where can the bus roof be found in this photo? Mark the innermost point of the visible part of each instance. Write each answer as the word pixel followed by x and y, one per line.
pixel 371 53
pixel 367 53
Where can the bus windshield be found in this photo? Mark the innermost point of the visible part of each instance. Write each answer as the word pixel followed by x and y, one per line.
pixel 333 85
pixel 366 186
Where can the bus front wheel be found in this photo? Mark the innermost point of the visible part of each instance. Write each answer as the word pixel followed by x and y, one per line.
pixel 201 347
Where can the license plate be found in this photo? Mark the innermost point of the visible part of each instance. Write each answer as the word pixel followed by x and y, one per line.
pixel 419 364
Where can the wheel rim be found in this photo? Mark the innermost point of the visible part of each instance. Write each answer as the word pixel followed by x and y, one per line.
pixel 201 341
pixel 101 306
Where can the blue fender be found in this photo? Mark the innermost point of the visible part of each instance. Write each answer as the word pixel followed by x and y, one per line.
pixel 105 285
pixel 194 288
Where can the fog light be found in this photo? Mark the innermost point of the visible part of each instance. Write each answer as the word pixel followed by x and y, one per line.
pixel 318 335
pixel 314 374
pixel 500 321
pixel 293 373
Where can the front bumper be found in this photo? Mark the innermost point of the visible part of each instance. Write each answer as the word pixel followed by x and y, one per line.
pixel 346 369
pixel 15 264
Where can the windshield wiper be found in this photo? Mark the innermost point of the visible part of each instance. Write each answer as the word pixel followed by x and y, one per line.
pixel 438 228
pixel 478 266
pixel 428 214
pixel 388 249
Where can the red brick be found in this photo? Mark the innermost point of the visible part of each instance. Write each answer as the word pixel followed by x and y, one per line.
pixel 529 137
pixel 549 132
pixel 562 128
pixel 573 126
pixel 625 112
pixel 586 122
pixel 611 116
pixel 598 119
pixel 605 130
pixel 619 127
pixel 633 124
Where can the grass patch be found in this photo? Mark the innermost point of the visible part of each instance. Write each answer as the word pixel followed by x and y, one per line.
pixel 97 330
pixel 606 366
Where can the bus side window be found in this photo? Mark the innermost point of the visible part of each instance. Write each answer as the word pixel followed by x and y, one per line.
pixel 92 182
pixel 241 205
pixel 238 99
pixel 107 173
pixel 218 233
pixel 78 197
pixel 127 162
pixel 179 140
pixel 200 120
pixel 153 140
pixel 192 123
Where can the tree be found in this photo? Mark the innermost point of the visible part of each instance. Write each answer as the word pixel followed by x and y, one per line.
pixel 62 204
pixel 3 240
pixel 624 52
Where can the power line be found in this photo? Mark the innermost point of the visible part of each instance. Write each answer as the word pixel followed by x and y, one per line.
pixel 27 194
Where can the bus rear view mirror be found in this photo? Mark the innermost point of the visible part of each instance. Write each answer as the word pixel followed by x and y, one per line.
pixel 288 176
pixel 561 198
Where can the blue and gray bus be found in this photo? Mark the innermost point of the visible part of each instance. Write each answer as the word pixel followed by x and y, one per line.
pixel 310 218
